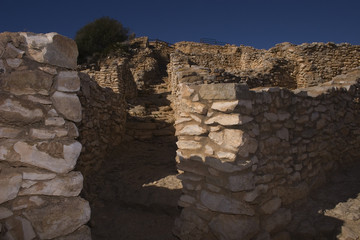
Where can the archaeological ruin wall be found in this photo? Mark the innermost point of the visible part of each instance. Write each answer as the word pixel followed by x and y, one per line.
pixel 285 65
pixel 246 155
pixel 39 189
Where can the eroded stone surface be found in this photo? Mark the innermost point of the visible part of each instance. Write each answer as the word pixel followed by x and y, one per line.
pixel 67 81
pixel 68 105
pixel 10 183
pixel 31 155
pixel 59 217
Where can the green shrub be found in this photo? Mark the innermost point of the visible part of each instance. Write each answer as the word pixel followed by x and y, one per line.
pixel 99 38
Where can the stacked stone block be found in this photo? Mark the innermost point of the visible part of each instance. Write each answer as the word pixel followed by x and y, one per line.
pixel 247 155
pixel 39 191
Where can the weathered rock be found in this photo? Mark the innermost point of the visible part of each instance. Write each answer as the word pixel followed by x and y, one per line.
pixel 230 139
pixel 277 220
pixel 69 185
pixel 221 203
pixel 190 145
pixel 36 175
pixel 5 213
pixel 14 62
pixel 221 91
pixel 19 228
pixel 192 130
pixel 59 217
pixel 7 132
pixel 67 82
pixel 241 182
pixel 232 227
pixel 68 105
pixel 54 121
pixel 43 134
pixel 225 106
pixel 28 82
pixel 83 233
pixel 229 119
pixel 52 48
pixel 14 110
pixel 271 206
pixel 10 183
pixel 31 155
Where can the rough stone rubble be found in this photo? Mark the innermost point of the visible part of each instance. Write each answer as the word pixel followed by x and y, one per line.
pixel 39 189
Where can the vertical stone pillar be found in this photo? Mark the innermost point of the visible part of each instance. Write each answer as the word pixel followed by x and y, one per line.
pixel 39 191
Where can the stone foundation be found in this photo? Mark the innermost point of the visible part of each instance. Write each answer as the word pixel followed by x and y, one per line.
pixel 39 191
pixel 246 155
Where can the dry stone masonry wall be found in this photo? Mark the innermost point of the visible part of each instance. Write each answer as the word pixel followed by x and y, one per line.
pixel 285 65
pixel 246 155
pixel 39 191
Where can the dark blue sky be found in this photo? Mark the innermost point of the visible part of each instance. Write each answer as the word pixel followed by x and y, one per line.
pixel 257 23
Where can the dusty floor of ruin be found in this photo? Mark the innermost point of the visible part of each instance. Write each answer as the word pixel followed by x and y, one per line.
pixel 137 197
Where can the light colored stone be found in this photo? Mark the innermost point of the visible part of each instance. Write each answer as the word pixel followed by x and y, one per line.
pixel 188 144
pixel 229 119
pixel 230 139
pixel 224 204
pixel 27 183
pixel 7 132
pixel 225 106
pixel 43 134
pixel 232 227
pixel 5 213
pixel 195 107
pixel 19 228
pixel 52 48
pixel 223 91
pixel 50 70
pixel 10 183
pixel 68 185
pixel 61 216
pixel 67 81
pixel 209 150
pixel 83 233
pixel 14 62
pixel 36 175
pixel 54 121
pixel 61 132
pixel 271 206
pixel 192 130
pixel 14 110
pixel 226 156
pixel 182 120
pixel 31 155
pixel 241 182
pixel 37 99
pixel 68 105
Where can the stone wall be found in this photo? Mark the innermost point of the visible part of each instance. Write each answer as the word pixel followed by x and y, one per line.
pixel 246 155
pixel 285 65
pixel 102 126
pixel 114 73
pixel 39 191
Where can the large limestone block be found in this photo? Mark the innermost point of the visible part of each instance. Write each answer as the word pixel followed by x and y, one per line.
pixel 30 154
pixel 52 48
pixel 230 139
pixel 223 91
pixel 10 183
pixel 188 144
pixel 67 81
pixel 28 82
pixel 229 119
pixel 16 110
pixel 59 216
pixel 223 106
pixel 7 132
pixel 68 105
pixel 36 175
pixel 192 130
pixel 231 227
pixel 225 204
pixel 69 185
